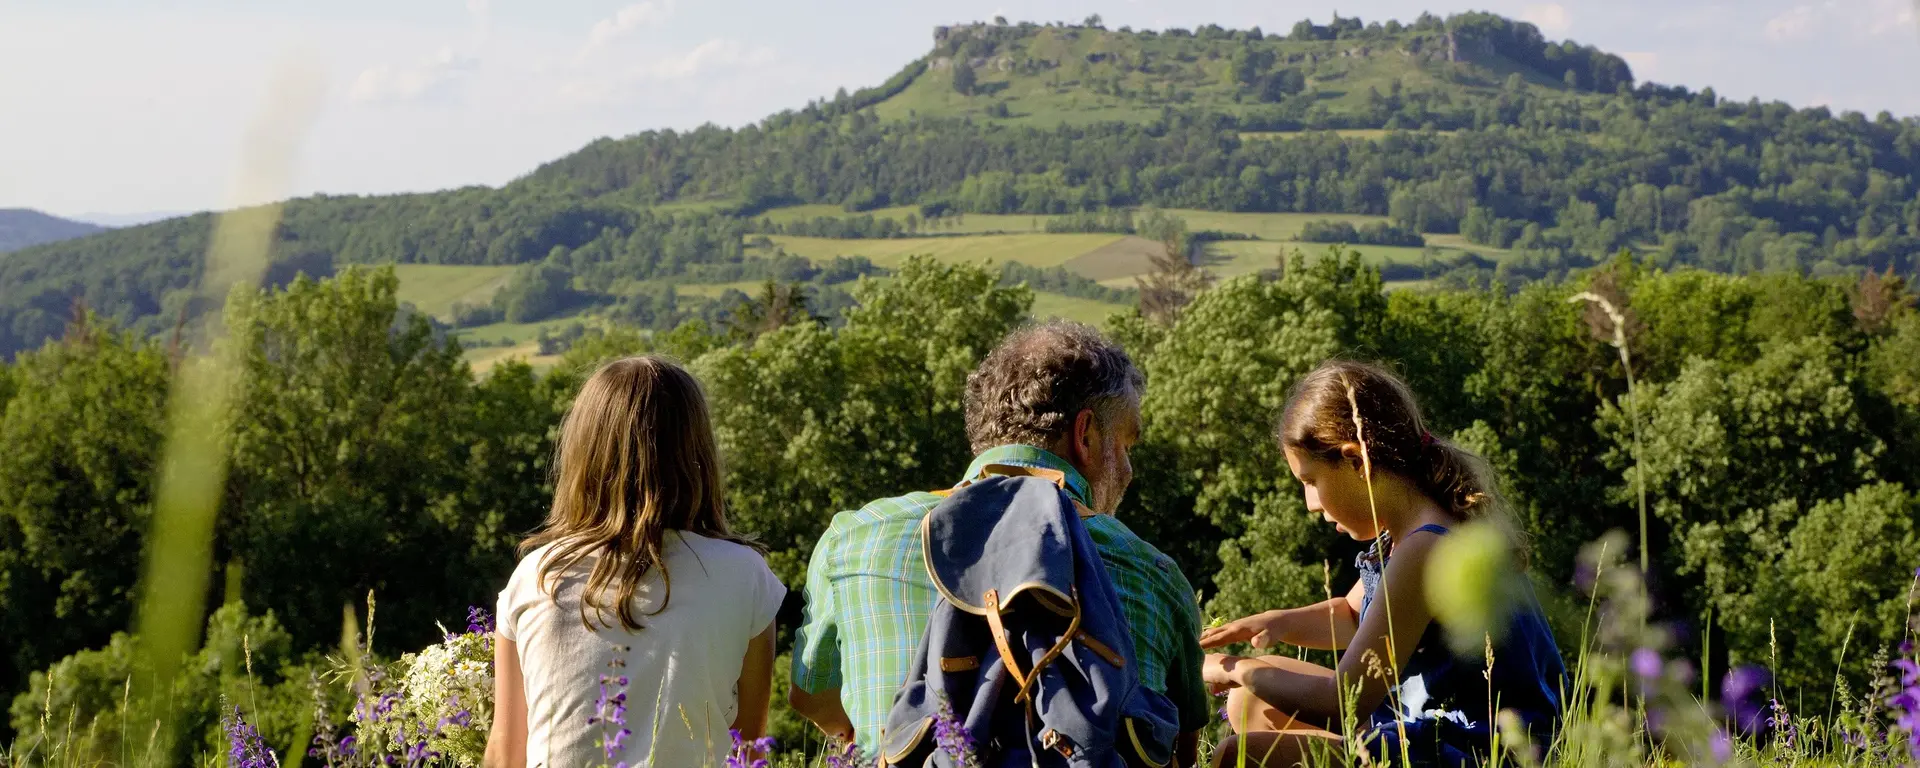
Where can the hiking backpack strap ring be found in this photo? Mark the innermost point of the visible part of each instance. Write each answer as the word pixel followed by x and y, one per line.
pixel 999 629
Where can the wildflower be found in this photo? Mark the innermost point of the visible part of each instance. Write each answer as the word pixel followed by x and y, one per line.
pixel 1585 575
pixel 1722 746
pixel 748 754
pixel 479 622
pixel 1906 703
pixel 1782 723
pixel 610 711
pixel 848 756
pixel 327 744
pixel 1739 691
pixel 245 748
pixel 951 738
pixel 1647 664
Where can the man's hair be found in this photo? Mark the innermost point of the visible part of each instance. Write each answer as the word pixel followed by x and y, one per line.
pixel 1029 389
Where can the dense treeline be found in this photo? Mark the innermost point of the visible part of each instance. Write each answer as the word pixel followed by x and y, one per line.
pixel 1377 233
pixel 1556 175
pixel 1065 282
pixel 1777 420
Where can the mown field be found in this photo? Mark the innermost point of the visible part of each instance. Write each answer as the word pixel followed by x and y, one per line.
pixel 435 288
pixel 1116 260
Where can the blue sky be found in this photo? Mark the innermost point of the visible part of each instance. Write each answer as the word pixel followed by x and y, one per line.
pixel 115 106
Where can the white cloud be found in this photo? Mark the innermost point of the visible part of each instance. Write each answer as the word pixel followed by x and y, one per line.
pixel 432 75
pixel 1552 18
pixel 1891 16
pixel 1795 24
pixel 1877 18
pixel 648 13
pixel 718 53
pixel 715 67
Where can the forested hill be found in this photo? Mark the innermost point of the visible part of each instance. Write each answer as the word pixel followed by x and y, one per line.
pixel 1526 158
pixel 23 227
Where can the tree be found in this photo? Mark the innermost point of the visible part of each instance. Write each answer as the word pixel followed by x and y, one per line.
pixel 1174 279
pixel 1216 379
pixel 1277 86
pixel 83 436
pixel 813 421
pixel 1837 570
pixel 963 78
pixel 778 305
pixel 536 292
pixel 1721 440
pixel 350 448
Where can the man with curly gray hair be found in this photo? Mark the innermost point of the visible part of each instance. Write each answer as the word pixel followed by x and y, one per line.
pixel 1055 400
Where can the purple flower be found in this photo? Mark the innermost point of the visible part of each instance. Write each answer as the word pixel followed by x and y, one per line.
pixel 1739 691
pixel 1722 746
pixel 479 621
pixel 748 754
pixel 327 744
pixel 610 712
pixel 245 748
pixel 1647 664
pixel 1906 703
pixel 1782 723
pixel 848 756
pixel 951 738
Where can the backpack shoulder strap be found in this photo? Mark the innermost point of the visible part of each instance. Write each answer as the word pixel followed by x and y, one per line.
pixel 1054 476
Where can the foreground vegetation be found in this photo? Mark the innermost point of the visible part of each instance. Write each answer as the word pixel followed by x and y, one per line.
pixel 1770 422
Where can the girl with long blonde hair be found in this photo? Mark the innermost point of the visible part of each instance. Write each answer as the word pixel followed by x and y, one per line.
pixel 637 628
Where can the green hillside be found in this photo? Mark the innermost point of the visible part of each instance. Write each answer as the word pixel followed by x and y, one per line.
pixel 1459 152
pixel 1047 75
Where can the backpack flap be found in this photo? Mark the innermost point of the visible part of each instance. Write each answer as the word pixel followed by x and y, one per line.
pixel 1027 645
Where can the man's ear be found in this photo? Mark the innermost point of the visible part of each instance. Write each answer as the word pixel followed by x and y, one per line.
pixel 1084 438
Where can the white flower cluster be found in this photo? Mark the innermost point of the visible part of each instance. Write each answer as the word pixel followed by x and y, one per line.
pixel 444 697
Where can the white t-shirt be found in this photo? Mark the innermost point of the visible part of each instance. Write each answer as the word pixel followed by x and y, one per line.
pixel 683 665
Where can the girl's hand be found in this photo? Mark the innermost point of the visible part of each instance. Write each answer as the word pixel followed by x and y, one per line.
pixel 1220 672
pixel 1259 629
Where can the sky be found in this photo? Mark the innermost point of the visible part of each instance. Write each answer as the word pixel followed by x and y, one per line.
pixel 115 107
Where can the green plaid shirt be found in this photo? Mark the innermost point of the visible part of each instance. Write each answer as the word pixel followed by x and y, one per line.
pixel 869 599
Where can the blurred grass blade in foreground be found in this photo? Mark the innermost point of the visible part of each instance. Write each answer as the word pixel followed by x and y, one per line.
pixel 207 382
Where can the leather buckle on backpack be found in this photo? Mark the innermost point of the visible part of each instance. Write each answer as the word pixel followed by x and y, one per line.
pixel 1051 739
pixel 951 664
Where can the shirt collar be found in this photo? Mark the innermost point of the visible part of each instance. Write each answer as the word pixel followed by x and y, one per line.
pixel 1029 457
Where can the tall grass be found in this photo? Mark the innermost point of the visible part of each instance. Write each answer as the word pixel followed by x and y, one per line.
pixel 171 606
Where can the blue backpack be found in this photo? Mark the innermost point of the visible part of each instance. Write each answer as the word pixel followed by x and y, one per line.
pixel 1027 647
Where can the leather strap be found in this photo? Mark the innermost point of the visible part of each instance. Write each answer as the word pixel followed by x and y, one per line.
pixel 1066 639
pixel 1101 648
pixel 999 629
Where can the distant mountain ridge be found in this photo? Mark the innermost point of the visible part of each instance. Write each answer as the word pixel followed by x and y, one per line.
pixel 24 227
pixel 117 220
